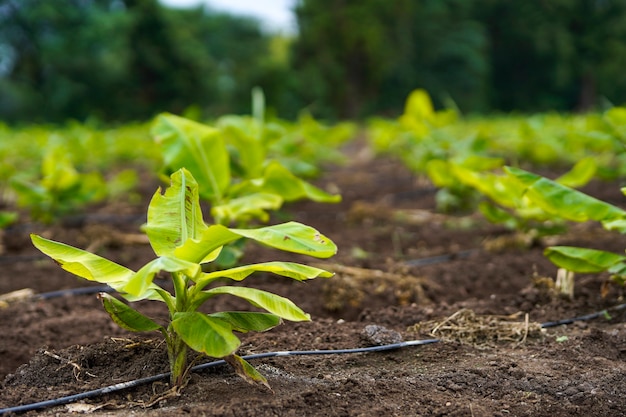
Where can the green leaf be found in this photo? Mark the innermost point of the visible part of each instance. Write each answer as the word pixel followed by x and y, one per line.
pixel 243 321
pixel 440 173
pixel 246 207
pixel 141 281
pixel 580 174
pixel 497 215
pixel 618 270
pixel 287 269
pixel 7 218
pixel 280 181
pixel 57 169
pixel 617 224
pixel 564 202
pixel 208 246
pixel 419 105
pixel 582 260
pixel 197 147
pixel 127 317
pixel 292 237
pixel 211 336
pixel 506 191
pixel 250 150
pixel 273 303
pixel 175 217
pixel 84 264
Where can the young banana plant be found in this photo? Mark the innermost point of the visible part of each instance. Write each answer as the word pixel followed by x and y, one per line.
pixel 183 243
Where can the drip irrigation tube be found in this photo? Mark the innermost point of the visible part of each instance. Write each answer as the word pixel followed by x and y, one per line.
pixel 105 288
pixel 154 378
pixel 591 316
pixel 138 382
pixel 75 291
pixel 442 258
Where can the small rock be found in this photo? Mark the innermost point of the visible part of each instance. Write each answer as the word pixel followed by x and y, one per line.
pixel 379 335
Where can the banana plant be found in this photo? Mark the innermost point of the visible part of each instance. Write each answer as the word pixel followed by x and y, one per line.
pixel 183 244
pixel 561 201
pixel 237 178
pixel 508 194
pixel 262 184
pixel 61 189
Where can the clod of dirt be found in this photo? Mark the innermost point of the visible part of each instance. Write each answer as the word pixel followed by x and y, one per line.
pixel 379 335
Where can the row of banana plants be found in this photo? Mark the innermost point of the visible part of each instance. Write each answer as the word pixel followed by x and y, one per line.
pixel 476 164
pixel 422 134
pixel 446 147
pixel 47 172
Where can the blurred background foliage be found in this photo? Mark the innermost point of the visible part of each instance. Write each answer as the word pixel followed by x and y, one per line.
pixel 122 60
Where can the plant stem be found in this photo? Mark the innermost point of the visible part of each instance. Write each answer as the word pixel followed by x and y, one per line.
pixel 177 354
pixel 176 347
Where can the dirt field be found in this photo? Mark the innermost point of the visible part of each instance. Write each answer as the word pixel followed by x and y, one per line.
pixel 400 266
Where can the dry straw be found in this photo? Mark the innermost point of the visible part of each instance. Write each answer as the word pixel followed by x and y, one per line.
pixel 467 327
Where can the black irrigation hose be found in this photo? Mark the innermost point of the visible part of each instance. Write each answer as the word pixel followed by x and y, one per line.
pixel 441 258
pixel 138 382
pixel 591 316
pixel 135 383
pixel 75 291
pixel 106 288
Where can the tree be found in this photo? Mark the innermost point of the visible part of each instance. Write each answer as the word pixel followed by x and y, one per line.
pixel 556 55
pixel 54 56
pixel 362 56
pixel 124 59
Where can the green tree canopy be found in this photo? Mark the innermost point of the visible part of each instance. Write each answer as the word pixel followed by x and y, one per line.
pixel 364 56
pixel 123 59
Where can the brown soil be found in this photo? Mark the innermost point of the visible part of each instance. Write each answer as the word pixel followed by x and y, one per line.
pixel 490 362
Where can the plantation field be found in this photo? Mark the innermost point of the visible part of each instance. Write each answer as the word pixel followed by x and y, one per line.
pixel 570 370
pixel 413 261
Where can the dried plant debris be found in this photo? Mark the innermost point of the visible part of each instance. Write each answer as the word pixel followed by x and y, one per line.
pixel 467 327
pixel 364 212
pixel 351 286
pixel 16 296
pixel 509 242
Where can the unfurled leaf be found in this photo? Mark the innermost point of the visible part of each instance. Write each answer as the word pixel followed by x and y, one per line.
pixel 618 225
pixel 497 215
pixel 244 134
pixel 198 148
pixel 292 237
pixel 279 180
pixel 127 317
pixel 141 281
pixel 82 263
pixel 7 218
pixel 564 202
pixel 580 174
pixel 245 321
pixel 287 269
pixel 272 303
pixel 211 336
pixel 583 260
pixel 251 206
pixel 207 247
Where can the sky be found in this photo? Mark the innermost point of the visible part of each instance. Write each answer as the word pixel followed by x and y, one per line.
pixel 276 14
